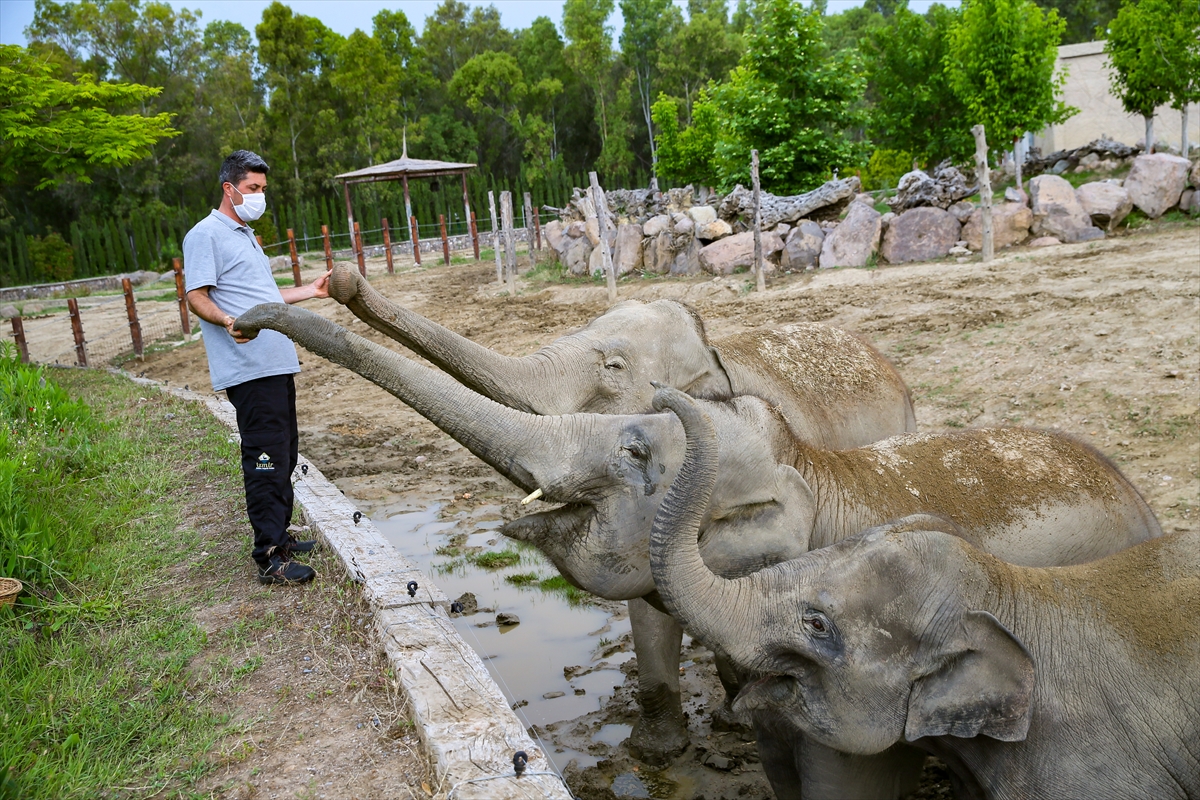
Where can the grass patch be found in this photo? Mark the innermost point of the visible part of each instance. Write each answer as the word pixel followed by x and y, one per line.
pixel 556 585
pixel 97 694
pixel 495 560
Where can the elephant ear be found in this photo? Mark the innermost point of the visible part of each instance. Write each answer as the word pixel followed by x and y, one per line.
pixel 774 524
pixel 982 686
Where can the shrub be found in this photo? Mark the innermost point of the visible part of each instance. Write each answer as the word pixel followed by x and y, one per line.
pixel 884 169
pixel 52 257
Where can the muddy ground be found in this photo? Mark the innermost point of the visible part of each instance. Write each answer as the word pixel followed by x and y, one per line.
pixel 1100 339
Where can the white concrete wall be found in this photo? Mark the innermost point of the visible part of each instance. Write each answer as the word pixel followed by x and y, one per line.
pixel 1089 89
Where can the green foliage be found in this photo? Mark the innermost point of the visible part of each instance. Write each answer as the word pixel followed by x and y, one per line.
pixel 913 107
pixel 53 259
pixel 1000 63
pixel 1154 49
pixel 1085 19
pixel 885 168
pixel 702 50
pixel 792 100
pixel 687 156
pixel 496 560
pixel 56 129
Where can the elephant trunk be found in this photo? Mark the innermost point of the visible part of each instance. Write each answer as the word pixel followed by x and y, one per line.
pixel 527 449
pixel 521 383
pixel 711 607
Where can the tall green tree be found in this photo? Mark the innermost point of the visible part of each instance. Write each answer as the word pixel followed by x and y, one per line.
pixel 912 107
pixel 589 53
pixel 1000 64
pixel 686 155
pixel 1153 47
pixel 703 49
pixel 229 91
pixel 1085 20
pixel 55 129
pixel 649 24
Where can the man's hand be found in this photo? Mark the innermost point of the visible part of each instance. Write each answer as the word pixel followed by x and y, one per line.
pixel 236 334
pixel 314 291
pixel 320 287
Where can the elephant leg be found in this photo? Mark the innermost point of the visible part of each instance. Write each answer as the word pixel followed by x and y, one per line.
pixel 827 774
pixel 660 732
pixel 724 718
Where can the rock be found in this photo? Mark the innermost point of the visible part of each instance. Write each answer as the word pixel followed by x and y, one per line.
pixel 1014 195
pixel 683 225
pixel 959 250
pixel 853 241
pixel 556 235
pixel 1156 181
pixel 591 229
pixel 1044 241
pixel 727 255
pixel 687 260
pixel 281 264
pixel 1060 167
pixel 781 230
pixel 628 253
pixel 1088 162
pixel 547 695
pixel 1188 201
pixel 823 202
pixel 920 234
pixel 802 249
pixel 595 264
pixel 507 618
pixel 886 220
pixel 1057 212
pixel 576 230
pixel 144 277
pixel 962 211
pixel 916 189
pixel 470 604
pixel 702 215
pixel 8 312
pixel 717 229
pixel 865 197
pixel 577 256
pixel 718 761
pixel 1106 203
pixel 169 275
pixel 656 225
pixel 1010 225
pixel 659 254
pixel 1194 178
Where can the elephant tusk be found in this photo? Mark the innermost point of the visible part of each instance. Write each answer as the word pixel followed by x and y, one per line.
pixel 534 495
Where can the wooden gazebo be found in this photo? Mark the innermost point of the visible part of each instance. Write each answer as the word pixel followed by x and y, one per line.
pixel 403 169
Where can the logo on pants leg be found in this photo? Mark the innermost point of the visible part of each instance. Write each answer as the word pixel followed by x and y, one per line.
pixel 264 463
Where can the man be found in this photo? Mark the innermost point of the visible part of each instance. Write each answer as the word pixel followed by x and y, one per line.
pixel 227 272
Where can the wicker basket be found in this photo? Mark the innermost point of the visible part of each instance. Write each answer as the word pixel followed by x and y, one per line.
pixel 9 589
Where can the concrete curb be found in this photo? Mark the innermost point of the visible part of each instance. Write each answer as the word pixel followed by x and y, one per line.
pixel 469 732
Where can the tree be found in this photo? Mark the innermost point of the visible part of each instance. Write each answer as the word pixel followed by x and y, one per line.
pixel 687 156
pixel 589 52
pixel 1000 64
pixel 702 50
pixel 1154 50
pixel 790 99
pixel 230 93
pixel 56 128
pixel 912 106
pixel 648 25
pixel 1085 19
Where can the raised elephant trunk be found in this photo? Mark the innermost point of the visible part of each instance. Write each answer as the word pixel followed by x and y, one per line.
pixel 529 450
pixel 521 383
pixel 711 607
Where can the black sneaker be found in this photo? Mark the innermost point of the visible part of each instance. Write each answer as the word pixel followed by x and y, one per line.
pixel 282 570
pixel 296 545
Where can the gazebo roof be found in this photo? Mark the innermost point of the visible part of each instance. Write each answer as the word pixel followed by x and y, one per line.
pixel 404 167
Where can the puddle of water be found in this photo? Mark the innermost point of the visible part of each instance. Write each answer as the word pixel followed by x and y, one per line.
pixel 526 660
pixel 612 735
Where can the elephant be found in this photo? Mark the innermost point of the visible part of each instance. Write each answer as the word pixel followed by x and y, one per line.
pixel 606 471
pixel 1076 681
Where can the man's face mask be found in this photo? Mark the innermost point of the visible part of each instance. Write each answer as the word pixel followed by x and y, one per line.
pixel 252 206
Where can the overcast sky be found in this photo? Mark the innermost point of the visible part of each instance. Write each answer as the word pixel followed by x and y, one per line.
pixel 343 16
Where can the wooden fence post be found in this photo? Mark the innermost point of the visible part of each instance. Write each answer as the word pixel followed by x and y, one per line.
pixel 295 257
pixel 135 327
pixel 416 240
pixel 527 213
pixel 983 176
pixel 496 238
pixel 445 239
pixel 328 248
pixel 758 254
pixel 387 246
pixel 601 204
pixel 258 239
pixel 475 235
pixel 184 323
pixel 358 246
pixel 510 244
pixel 19 334
pixel 537 228
pixel 77 329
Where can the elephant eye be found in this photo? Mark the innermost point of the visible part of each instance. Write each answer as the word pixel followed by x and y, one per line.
pixel 817 623
pixel 614 365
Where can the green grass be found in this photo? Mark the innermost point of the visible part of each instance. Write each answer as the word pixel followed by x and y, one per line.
pixel 98 699
pixel 556 585
pixel 495 560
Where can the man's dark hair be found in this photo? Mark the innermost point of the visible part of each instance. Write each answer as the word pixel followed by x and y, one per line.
pixel 238 163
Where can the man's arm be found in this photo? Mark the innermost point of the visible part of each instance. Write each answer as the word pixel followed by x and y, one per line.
pixel 203 307
pixel 315 290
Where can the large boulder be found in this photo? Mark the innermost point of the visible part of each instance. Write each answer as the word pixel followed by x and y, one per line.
pixel 855 238
pixel 659 255
pixel 1194 178
pixel 727 255
pixel 576 229
pixel 628 254
pixel 802 250
pixel 1057 212
pixel 702 215
pixel 962 211
pixel 656 225
pixel 556 235
pixel 1106 203
pixel 577 255
pixel 591 228
pixel 945 187
pixel 687 260
pixel 711 231
pixel 1010 225
pixel 1156 181
pixel 920 234
pixel 281 264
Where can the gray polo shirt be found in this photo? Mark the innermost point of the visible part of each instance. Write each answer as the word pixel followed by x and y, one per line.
pixel 224 256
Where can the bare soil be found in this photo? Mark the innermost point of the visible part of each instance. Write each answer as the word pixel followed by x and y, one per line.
pixel 1101 340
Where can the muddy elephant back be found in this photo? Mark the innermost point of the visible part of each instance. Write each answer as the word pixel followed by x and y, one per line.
pixel 835 390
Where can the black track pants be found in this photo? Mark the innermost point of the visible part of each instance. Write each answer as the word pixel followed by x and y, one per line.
pixel 266 418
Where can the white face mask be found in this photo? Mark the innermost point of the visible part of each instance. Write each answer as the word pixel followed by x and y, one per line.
pixel 252 206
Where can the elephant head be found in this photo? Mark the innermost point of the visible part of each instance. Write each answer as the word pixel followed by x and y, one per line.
pixel 607 473
pixel 862 644
pixel 605 368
